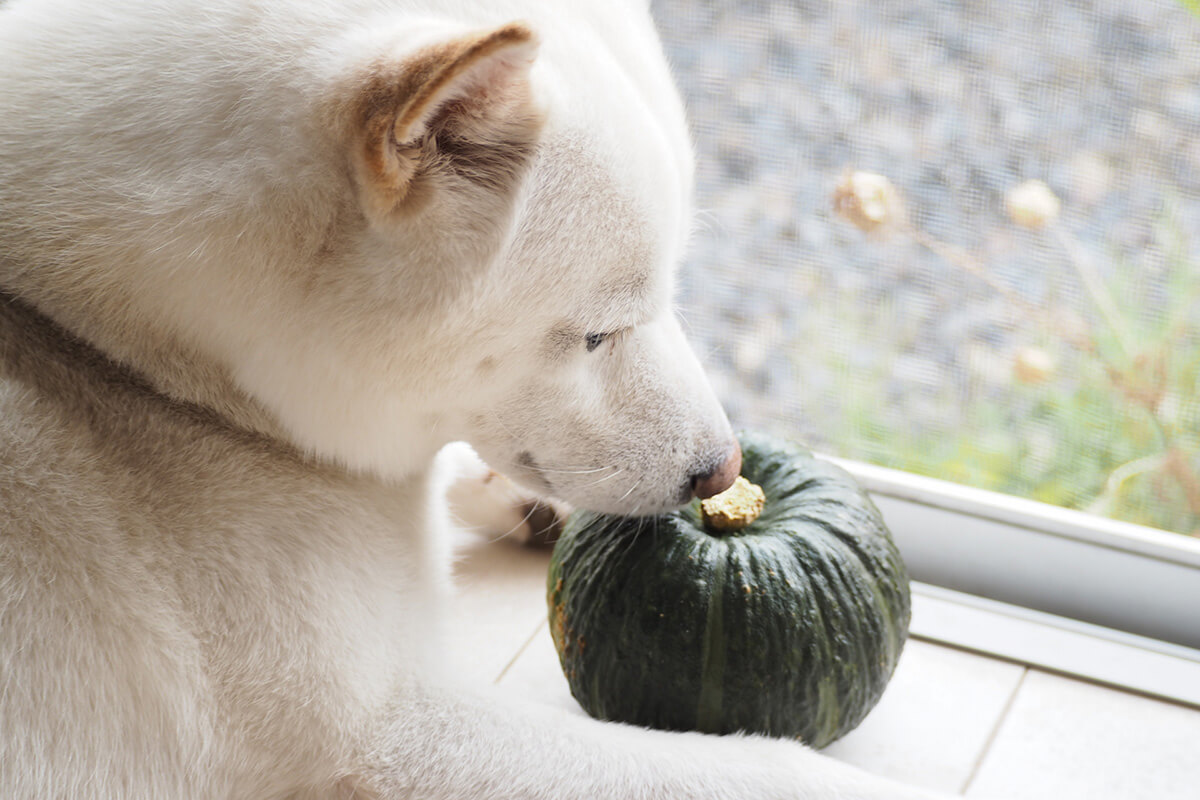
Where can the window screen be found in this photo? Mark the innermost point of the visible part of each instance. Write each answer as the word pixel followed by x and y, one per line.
pixel 956 237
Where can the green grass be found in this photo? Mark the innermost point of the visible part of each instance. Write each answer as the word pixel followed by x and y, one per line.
pixel 1054 444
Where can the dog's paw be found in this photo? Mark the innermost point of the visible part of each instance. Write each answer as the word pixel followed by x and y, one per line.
pixel 489 504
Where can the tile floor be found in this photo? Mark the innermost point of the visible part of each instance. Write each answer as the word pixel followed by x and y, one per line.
pixel 950 720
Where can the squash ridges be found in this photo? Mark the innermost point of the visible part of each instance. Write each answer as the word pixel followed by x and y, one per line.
pixel 791 626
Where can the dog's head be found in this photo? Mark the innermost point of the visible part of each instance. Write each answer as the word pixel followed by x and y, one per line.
pixel 410 234
pixel 552 215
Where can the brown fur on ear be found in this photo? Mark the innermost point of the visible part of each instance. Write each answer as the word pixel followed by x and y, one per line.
pixel 466 99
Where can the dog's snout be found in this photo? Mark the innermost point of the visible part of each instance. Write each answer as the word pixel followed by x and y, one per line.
pixel 718 478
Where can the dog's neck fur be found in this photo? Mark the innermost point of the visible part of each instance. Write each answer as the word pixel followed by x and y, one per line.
pixel 42 353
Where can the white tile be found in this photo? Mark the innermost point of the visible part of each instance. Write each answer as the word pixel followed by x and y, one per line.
pixel 934 719
pixel 500 599
pixel 537 676
pixel 1068 740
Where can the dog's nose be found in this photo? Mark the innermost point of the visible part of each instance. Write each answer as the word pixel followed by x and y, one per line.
pixel 719 478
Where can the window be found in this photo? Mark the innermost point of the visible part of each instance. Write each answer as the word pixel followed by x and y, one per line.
pixel 962 239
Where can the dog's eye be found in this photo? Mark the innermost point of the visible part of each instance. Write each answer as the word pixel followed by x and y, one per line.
pixel 594 340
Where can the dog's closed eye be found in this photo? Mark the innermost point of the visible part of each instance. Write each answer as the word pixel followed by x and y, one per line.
pixel 594 340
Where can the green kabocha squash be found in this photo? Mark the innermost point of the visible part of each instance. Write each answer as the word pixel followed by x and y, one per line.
pixel 789 626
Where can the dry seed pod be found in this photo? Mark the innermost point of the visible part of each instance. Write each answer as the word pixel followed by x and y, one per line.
pixel 1033 365
pixel 1032 204
pixel 867 200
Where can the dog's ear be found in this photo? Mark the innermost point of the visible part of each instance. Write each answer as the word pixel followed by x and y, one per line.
pixel 462 104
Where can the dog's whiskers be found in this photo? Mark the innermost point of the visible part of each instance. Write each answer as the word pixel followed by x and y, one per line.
pixel 528 515
pixel 630 491
pixel 577 470
pixel 599 481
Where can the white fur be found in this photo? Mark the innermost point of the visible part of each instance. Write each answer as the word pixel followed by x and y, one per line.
pixel 224 548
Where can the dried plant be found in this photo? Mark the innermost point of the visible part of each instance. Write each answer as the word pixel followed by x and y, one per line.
pixel 1136 370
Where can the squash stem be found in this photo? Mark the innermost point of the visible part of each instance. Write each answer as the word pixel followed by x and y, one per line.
pixel 734 508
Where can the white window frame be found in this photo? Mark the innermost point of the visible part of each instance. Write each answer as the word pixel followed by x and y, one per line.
pixel 1072 592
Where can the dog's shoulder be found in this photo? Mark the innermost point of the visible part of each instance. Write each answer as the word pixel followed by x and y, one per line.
pixel 149 549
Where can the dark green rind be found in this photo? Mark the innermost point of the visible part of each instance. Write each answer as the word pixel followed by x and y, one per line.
pixel 790 627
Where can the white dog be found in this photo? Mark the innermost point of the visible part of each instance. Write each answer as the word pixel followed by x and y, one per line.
pixel 259 261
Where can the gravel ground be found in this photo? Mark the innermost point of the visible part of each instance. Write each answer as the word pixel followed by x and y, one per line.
pixel 795 312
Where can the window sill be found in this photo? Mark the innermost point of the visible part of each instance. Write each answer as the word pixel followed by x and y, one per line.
pixel 1057 644
pixel 1068 591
